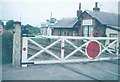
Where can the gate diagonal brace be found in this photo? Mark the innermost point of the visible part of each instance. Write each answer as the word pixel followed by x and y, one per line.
pixel 106 48
pixel 77 49
pixel 44 49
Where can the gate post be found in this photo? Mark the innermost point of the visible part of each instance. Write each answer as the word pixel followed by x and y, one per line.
pixel 24 51
pixel 1 32
pixel 16 44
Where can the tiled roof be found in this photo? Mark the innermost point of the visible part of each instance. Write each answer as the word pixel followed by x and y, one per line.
pixel 66 23
pixel 105 18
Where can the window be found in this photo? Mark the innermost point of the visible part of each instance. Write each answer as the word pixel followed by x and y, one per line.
pixel 59 32
pixel 63 32
pixel 74 33
pixel 112 35
pixel 87 31
pixel 90 31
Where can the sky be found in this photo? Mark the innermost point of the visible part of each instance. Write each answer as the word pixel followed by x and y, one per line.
pixel 35 12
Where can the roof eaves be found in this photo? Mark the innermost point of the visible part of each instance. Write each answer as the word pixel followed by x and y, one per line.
pixel 117 29
pixel 62 27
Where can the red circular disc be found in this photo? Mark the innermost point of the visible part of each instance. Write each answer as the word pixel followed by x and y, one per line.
pixel 93 49
pixel 24 49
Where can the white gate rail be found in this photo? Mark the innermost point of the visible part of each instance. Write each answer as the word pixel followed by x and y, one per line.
pixel 66 57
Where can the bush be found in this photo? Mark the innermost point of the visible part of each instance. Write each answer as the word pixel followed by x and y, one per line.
pixel 7 46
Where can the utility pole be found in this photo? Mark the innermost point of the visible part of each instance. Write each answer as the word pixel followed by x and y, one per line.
pixel 49 30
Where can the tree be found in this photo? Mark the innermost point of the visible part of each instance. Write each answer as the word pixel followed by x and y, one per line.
pixel 32 29
pixel 1 23
pixel 9 24
pixel 52 20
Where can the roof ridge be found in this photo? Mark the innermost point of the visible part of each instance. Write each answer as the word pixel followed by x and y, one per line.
pixel 68 17
pixel 102 12
pixel 104 17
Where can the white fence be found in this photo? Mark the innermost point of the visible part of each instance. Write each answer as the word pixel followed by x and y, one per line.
pixel 63 49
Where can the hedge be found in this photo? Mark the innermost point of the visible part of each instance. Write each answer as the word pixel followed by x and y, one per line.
pixel 7 46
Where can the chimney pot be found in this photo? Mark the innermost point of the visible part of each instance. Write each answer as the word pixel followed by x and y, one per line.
pixel 96 7
pixel 79 6
pixel 96 4
pixel 79 11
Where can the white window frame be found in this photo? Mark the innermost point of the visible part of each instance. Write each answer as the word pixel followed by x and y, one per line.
pixel 88 32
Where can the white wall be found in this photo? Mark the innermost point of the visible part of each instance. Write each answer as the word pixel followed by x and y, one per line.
pixel 108 32
pixel 111 31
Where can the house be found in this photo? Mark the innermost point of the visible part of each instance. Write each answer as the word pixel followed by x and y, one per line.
pixel 112 31
pixel 46 27
pixel 88 23
pixel 43 29
pixel 96 23
pixel 66 27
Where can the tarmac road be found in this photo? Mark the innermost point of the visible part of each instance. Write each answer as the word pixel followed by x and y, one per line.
pixel 75 71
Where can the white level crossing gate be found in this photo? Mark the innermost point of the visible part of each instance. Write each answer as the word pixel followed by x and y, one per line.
pixel 64 49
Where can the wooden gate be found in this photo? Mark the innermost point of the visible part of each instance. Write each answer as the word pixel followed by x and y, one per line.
pixel 64 49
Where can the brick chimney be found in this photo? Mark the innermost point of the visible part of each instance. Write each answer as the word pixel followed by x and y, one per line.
pixel 79 11
pixel 96 7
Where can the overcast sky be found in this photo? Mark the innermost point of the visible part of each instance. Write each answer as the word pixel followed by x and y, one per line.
pixel 35 12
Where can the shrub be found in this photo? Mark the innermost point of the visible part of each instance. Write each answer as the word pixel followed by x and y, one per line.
pixel 7 46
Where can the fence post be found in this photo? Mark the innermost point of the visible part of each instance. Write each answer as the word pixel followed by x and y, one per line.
pixel 118 43
pixel 16 44
pixel 62 48
pixel 24 51
pixel 117 47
